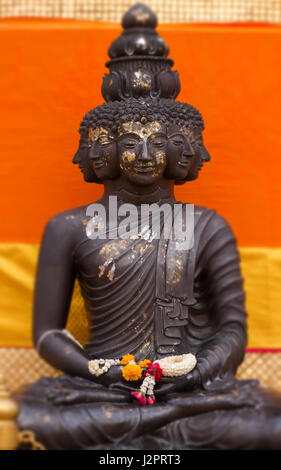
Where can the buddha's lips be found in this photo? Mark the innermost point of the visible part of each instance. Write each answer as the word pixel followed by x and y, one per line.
pixel 185 159
pixel 98 164
pixel 145 169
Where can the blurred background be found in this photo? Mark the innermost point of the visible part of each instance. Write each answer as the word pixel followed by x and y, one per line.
pixel 227 53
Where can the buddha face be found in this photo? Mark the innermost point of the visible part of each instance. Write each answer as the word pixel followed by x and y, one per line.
pixel 81 158
pixel 142 151
pixel 180 153
pixel 201 156
pixel 201 149
pixel 103 153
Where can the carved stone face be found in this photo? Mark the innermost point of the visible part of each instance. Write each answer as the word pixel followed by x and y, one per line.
pixel 201 156
pixel 103 153
pixel 180 153
pixel 142 151
pixel 81 158
pixel 204 154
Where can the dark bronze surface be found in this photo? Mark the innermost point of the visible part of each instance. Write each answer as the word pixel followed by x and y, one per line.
pixel 143 296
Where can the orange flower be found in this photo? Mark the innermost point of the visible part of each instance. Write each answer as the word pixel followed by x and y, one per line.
pixel 126 359
pixel 132 372
pixel 144 363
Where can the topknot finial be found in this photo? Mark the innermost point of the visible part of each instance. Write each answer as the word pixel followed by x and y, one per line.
pixel 139 65
pixel 139 16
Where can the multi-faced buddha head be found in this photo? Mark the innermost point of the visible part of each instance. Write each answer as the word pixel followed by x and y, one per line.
pixel 142 150
pixel 81 158
pixel 97 155
pixel 103 153
pixel 142 140
pixel 201 156
pixel 180 151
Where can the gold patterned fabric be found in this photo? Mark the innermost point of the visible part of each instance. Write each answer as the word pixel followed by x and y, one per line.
pixel 168 11
pixel 20 366
pixel 264 366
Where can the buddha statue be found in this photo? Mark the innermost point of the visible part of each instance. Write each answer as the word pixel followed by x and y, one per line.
pixel 144 296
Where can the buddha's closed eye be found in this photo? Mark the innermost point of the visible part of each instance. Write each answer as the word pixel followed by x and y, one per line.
pixel 105 140
pixel 130 143
pixel 159 143
pixel 177 139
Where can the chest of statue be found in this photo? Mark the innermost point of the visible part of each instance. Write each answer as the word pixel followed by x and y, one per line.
pixel 102 263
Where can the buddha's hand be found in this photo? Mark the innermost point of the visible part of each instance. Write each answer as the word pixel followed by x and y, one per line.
pixel 113 375
pixel 73 390
pixel 71 396
pixel 182 383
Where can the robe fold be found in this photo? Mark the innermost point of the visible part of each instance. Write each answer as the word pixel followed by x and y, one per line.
pixel 145 298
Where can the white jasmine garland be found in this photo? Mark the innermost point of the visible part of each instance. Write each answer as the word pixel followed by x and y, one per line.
pixel 174 366
pixel 95 369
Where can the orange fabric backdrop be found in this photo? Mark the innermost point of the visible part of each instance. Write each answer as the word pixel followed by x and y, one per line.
pixel 51 73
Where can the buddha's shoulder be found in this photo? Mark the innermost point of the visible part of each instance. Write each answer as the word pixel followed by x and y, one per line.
pixel 209 220
pixel 206 217
pixel 67 224
pixel 70 217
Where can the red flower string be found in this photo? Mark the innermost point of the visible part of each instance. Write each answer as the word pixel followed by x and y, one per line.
pixel 155 370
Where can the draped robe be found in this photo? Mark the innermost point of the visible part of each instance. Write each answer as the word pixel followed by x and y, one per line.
pixel 145 298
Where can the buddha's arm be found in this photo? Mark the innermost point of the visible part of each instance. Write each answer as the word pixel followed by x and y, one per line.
pixel 218 274
pixel 53 291
pixel 219 357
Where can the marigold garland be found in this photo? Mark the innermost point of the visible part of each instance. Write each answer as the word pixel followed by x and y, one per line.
pixel 126 359
pixel 132 372
pixel 144 363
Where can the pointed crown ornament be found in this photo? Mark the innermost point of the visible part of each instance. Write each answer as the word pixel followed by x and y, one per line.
pixel 139 66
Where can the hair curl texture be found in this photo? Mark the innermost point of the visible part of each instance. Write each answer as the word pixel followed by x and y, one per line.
pixel 165 111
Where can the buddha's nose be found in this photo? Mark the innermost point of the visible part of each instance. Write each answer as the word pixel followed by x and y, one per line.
pixel 76 159
pixel 94 154
pixel 206 157
pixel 188 150
pixel 144 153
